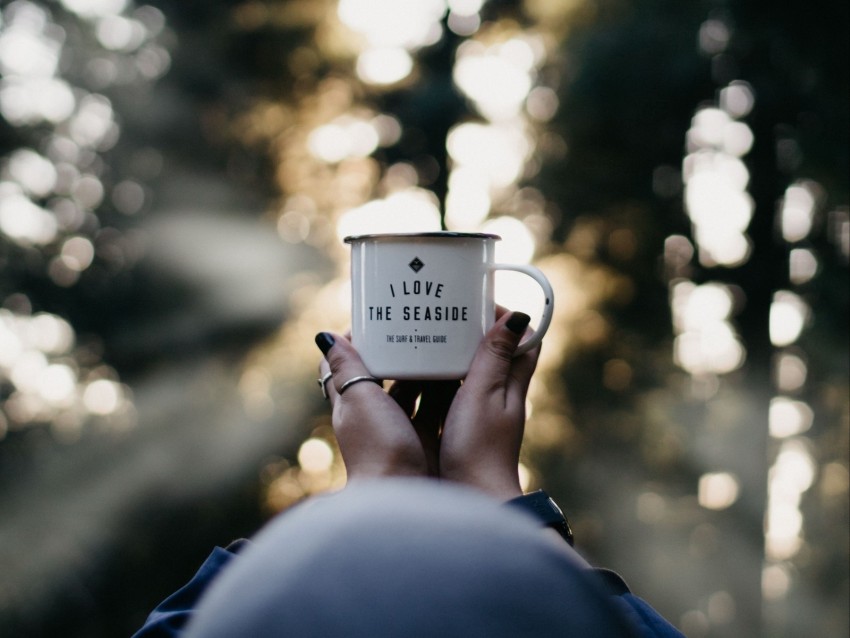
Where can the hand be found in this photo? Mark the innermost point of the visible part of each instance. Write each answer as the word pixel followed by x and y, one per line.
pixel 472 435
pixel 483 431
pixel 378 432
pixel 426 403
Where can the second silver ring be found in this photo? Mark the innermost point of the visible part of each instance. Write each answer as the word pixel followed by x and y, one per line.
pixel 354 380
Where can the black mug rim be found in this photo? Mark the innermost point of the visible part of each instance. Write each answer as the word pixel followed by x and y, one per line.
pixel 435 234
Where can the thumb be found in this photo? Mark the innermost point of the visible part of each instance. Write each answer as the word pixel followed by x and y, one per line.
pixel 492 362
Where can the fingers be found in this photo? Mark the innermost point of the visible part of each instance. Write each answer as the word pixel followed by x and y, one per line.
pixel 493 361
pixel 523 367
pixel 437 397
pixel 483 432
pixel 375 436
pixel 427 401
pixel 343 362
pixel 405 394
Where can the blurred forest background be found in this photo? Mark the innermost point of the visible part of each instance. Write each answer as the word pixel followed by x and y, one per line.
pixel 175 180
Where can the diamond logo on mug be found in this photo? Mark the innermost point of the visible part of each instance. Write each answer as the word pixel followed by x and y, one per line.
pixel 416 265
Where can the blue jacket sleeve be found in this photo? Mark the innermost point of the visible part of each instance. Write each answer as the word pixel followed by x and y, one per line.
pixel 169 618
pixel 646 622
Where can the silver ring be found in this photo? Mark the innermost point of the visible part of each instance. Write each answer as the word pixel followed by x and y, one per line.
pixel 322 383
pixel 354 380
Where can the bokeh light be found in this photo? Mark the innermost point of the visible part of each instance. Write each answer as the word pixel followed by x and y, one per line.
pixel 789 314
pixel 47 384
pixel 716 178
pixel 791 475
pixel 52 188
pixel 409 211
pixel 706 341
pixel 788 417
pixel 364 116
pixel 790 372
pixel 315 456
pixel 798 209
pixel 390 32
pixel 716 197
pixel 718 490
pixel 497 78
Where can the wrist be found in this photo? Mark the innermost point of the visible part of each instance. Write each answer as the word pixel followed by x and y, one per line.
pixel 500 485
pixel 506 492
pixel 387 465
pixel 385 470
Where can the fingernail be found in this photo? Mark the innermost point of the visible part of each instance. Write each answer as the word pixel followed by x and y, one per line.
pixel 517 322
pixel 325 342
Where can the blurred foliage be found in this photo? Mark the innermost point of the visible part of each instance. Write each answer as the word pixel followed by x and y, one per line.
pixel 634 433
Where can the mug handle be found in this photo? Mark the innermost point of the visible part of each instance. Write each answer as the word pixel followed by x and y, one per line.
pixel 537 275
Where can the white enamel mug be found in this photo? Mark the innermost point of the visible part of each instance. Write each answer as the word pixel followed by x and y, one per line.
pixel 421 302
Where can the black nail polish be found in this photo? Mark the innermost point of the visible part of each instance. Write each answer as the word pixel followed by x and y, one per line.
pixel 517 322
pixel 325 342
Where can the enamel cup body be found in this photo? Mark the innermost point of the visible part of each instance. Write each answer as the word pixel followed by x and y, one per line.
pixel 422 302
